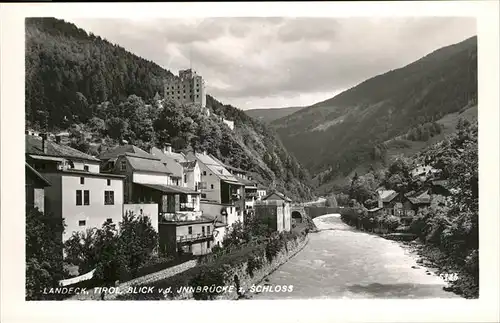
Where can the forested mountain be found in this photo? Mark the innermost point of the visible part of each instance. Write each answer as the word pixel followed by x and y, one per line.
pixel 269 115
pixel 333 137
pixel 102 94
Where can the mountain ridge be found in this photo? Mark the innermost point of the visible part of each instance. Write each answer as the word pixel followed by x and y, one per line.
pixel 339 133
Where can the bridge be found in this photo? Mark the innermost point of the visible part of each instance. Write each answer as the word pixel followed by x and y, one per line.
pixel 300 210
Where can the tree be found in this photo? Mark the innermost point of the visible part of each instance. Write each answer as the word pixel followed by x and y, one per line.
pixel 96 125
pixel 138 239
pixel 44 257
pixel 117 128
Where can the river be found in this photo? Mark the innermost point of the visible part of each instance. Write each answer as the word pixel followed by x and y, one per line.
pixel 341 262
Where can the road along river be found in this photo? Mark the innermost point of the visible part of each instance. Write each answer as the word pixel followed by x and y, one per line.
pixel 341 262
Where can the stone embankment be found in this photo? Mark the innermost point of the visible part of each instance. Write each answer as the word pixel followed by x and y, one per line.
pixel 241 281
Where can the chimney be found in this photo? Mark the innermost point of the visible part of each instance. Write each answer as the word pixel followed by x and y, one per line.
pixel 44 142
pixel 204 152
pixel 167 148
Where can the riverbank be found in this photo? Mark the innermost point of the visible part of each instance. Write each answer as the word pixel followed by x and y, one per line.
pixel 459 281
pixel 436 261
pixel 229 276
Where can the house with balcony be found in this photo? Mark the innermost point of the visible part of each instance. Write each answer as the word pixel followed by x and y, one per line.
pixel 245 178
pixel 79 193
pixel 195 237
pixel 222 193
pixel 149 179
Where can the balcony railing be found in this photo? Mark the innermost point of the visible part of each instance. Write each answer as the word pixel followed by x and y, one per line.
pixel 180 216
pixel 194 237
pixel 187 207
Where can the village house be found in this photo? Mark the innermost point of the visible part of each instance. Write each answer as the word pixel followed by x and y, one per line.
pixel 170 181
pixel 186 237
pixel 151 180
pixel 222 193
pixel 35 185
pixel 244 178
pixel 78 192
pixel 274 210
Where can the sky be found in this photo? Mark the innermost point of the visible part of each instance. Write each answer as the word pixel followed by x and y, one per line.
pixel 254 63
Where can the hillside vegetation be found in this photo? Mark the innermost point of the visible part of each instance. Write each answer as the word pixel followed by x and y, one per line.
pixel 269 115
pixel 336 136
pixel 102 94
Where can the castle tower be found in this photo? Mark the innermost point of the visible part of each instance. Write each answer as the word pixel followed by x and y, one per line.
pixel 188 87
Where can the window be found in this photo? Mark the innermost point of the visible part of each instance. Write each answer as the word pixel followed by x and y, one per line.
pixel 86 168
pixel 202 231
pixel 212 186
pixel 81 223
pixel 185 178
pixel 82 180
pixel 208 229
pixel 204 173
pixel 208 244
pixel 108 182
pixel 109 197
pixel 86 197
pixel 123 165
pixel 203 195
pixel 79 197
pixel 190 230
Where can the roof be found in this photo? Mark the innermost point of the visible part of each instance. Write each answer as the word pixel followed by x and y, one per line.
pixel 129 150
pixel 170 162
pixel 387 195
pixel 147 165
pixel 90 174
pixel 36 174
pixel 170 188
pixel 34 147
pixel 419 198
pixel 216 222
pixel 218 168
pixel 179 157
pixel 280 195
pixel 189 165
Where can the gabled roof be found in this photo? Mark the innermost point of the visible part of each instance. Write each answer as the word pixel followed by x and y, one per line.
pixel 170 161
pixel 387 195
pixel 129 150
pixel 147 165
pixel 189 165
pixel 279 194
pixel 36 175
pixel 179 157
pixel 421 197
pixel 217 168
pixel 34 147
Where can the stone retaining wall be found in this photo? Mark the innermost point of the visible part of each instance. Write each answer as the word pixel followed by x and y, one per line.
pixel 245 279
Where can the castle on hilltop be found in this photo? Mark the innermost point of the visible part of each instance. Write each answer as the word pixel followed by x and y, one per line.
pixel 188 87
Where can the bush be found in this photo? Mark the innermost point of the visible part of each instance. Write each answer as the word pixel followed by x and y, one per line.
pixel 44 259
pixel 115 256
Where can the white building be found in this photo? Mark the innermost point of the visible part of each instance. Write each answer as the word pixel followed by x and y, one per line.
pixel 79 193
